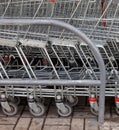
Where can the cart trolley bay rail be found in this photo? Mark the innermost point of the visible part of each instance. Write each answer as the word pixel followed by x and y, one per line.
pixel 50 58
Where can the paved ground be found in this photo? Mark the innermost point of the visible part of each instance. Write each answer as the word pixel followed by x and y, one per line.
pixel 81 119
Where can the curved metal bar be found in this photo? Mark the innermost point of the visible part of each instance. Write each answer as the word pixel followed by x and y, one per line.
pixel 82 36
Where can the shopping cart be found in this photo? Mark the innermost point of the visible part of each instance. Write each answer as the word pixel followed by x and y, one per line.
pixel 34 51
pixel 35 59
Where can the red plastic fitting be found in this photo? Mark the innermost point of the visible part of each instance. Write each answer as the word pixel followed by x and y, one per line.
pixel 52 1
pixel 93 99
pixel 117 100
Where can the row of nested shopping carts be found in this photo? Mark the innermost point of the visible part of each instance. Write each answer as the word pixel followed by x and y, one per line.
pixel 33 52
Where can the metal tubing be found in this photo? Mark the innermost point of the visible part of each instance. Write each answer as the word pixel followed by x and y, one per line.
pixel 82 36
pixel 22 82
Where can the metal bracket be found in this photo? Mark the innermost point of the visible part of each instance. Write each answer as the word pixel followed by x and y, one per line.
pixel 94 105
pixel 4 103
pixel 61 107
pixel 70 98
pixel 32 104
pixel 117 101
pixel 6 106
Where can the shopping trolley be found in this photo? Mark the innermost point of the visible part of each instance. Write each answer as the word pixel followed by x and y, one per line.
pixel 30 51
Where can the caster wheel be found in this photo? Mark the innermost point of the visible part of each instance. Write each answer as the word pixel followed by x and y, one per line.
pixel 15 100
pixel 13 111
pixel 74 102
pixel 41 100
pixel 95 113
pixel 66 112
pixel 41 110
pixel 117 110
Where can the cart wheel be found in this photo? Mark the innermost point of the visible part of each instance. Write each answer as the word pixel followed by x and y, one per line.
pixel 41 100
pixel 95 113
pixel 41 110
pixel 74 103
pixel 13 111
pixel 117 110
pixel 67 112
pixel 15 100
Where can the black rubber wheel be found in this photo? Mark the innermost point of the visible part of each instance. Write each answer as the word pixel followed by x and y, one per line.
pixel 74 103
pixel 117 110
pixel 41 110
pixel 15 100
pixel 14 110
pixel 95 113
pixel 67 112
pixel 40 100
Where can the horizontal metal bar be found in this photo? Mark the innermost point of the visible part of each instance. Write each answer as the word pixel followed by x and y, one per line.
pixel 49 82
